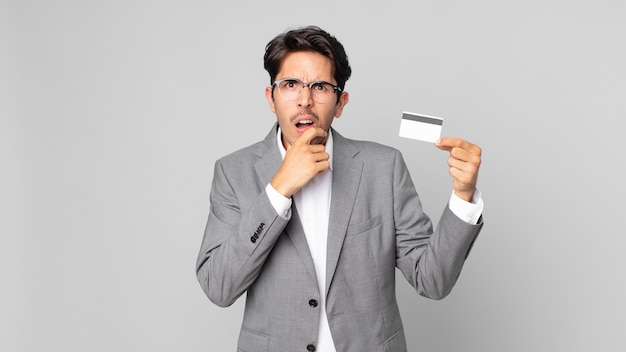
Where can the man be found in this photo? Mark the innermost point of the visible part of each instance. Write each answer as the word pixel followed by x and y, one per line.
pixel 312 225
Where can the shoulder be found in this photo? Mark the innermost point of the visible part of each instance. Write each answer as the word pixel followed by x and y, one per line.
pixel 374 148
pixel 250 154
pixel 367 150
pixel 243 155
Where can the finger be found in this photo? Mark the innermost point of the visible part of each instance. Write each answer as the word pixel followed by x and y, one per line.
pixel 462 180
pixel 460 154
pixel 323 156
pixel 318 140
pixel 463 156
pixel 323 166
pixel 448 143
pixel 315 149
pixel 316 158
pixel 313 135
pixel 462 165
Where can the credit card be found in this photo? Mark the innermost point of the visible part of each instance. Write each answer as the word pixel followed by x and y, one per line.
pixel 421 127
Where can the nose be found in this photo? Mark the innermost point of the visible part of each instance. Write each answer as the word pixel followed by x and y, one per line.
pixel 305 98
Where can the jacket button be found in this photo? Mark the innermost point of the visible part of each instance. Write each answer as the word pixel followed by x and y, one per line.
pixel 310 347
pixel 313 303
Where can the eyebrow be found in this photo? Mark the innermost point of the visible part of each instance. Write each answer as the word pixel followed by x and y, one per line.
pixel 298 79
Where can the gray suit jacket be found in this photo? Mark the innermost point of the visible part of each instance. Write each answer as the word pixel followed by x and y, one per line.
pixel 376 224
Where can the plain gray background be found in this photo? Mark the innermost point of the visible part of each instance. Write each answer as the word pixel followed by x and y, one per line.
pixel 113 113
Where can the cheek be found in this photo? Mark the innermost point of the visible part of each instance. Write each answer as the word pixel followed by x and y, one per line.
pixel 332 113
pixel 280 107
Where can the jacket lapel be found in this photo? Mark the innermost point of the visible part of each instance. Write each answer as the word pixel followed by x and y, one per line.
pixel 296 233
pixel 346 179
pixel 268 158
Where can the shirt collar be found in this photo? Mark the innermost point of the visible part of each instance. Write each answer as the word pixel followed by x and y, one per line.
pixel 329 146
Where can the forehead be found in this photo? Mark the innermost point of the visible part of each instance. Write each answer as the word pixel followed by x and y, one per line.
pixel 307 66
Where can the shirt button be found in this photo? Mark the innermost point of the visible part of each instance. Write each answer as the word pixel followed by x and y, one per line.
pixel 310 347
pixel 313 303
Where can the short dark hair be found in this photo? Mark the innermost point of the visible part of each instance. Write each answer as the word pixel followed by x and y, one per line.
pixel 309 38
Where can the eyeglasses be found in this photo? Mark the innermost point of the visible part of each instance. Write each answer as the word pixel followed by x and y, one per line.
pixel 291 88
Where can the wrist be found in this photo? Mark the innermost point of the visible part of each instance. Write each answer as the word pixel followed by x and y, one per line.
pixel 465 195
pixel 282 189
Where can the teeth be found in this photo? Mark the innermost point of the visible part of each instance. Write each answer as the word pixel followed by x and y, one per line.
pixel 306 122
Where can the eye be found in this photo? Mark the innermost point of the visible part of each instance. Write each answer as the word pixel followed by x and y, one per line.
pixel 289 84
pixel 321 87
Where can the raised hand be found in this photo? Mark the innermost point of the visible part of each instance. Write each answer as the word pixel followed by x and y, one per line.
pixel 305 158
pixel 464 162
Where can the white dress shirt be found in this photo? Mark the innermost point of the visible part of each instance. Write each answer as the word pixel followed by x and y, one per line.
pixel 313 204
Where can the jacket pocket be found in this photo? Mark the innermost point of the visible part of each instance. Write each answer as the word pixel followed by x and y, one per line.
pixel 251 341
pixel 361 227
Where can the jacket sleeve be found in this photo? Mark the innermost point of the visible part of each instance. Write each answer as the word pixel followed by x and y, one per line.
pixel 430 261
pixel 239 236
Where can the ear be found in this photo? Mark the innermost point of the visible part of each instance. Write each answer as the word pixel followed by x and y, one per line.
pixel 343 100
pixel 270 99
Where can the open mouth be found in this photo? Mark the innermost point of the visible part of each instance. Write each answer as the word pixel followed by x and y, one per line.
pixel 304 123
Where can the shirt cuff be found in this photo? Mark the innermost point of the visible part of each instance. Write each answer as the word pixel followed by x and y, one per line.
pixel 466 211
pixel 281 205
